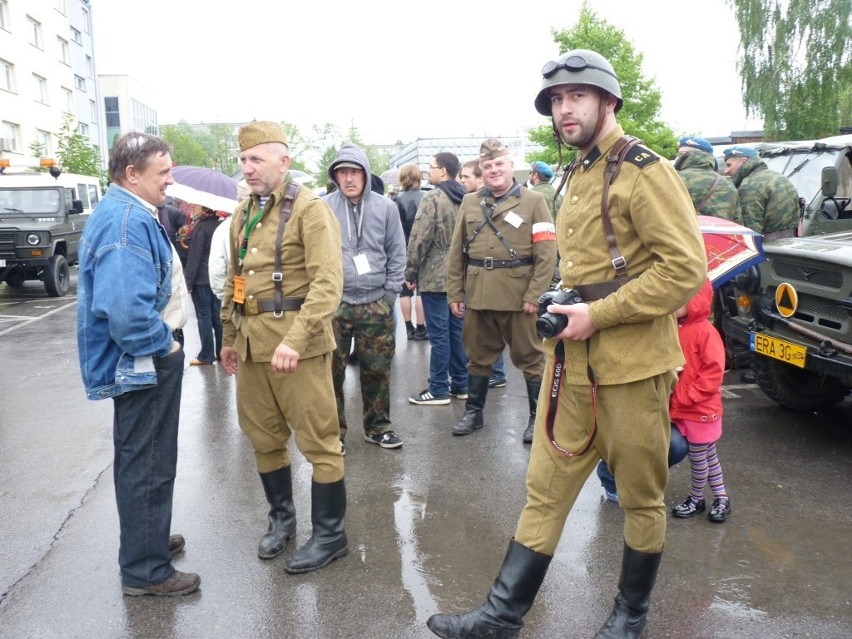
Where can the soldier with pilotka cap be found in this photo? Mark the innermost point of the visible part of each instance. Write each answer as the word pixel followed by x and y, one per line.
pixel 501 260
pixel 284 285
pixel 630 244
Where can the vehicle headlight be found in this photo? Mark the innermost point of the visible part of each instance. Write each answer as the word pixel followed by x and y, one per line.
pixel 33 239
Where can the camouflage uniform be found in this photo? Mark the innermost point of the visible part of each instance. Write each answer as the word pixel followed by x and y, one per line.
pixel 768 200
pixel 698 171
pixel 547 190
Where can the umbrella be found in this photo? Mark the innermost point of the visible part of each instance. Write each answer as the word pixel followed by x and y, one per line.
pixel 200 185
pixel 730 248
pixel 390 177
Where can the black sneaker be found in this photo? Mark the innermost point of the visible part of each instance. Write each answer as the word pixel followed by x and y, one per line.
pixel 426 398
pixel 689 508
pixel 720 510
pixel 420 334
pixel 459 394
pixel 496 382
pixel 343 448
pixel 409 332
pixel 388 439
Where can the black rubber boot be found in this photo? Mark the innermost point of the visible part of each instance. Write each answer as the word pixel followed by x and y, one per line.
pixel 533 387
pixel 510 599
pixel 477 389
pixel 328 541
pixel 278 487
pixel 638 574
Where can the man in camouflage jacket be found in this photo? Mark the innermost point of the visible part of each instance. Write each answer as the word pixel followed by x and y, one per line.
pixel 768 200
pixel 711 193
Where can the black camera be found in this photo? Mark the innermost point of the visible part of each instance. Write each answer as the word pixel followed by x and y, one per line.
pixel 550 324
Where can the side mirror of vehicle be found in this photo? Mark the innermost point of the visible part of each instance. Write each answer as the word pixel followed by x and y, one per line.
pixel 829 181
pixel 76 206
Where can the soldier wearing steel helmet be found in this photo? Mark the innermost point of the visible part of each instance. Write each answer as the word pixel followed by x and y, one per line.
pixel 610 370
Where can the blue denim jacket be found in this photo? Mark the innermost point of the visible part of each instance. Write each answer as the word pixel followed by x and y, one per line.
pixel 124 283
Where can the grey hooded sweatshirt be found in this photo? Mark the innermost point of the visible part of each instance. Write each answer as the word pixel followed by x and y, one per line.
pixel 370 228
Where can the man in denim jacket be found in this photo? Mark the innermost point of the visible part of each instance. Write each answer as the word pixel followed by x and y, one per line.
pixel 130 300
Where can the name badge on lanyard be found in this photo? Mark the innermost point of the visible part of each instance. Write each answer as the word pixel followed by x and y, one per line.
pixel 362 264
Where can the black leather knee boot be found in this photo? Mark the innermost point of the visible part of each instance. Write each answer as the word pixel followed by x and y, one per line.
pixel 278 487
pixel 328 541
pixel 638 575
pixel 533 388
pixel 510 599
pixel 477 389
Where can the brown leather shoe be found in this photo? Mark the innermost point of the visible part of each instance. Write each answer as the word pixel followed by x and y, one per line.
pixel 176 544
pixel 198 362
pixel 180 583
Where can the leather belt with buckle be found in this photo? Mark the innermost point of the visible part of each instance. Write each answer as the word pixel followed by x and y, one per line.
pixel 255 307
pixel 489 263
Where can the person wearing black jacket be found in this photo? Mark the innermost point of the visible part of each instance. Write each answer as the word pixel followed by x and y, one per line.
pixel 207 306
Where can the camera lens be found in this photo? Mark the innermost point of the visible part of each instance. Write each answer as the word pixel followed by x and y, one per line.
pixel 549 324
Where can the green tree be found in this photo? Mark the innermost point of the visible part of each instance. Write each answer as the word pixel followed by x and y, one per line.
pixel 187 149
pixel 641 111
pixel 795 63
pixel 75 154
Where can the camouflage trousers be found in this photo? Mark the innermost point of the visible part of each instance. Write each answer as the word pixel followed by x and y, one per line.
pixel 372 327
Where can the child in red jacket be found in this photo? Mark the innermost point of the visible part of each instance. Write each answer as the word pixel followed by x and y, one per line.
pixel 696 405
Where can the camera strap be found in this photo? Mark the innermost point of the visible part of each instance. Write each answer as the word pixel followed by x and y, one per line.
pixel 553 403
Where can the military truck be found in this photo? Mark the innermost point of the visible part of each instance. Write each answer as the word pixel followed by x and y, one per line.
pixel 794 310
pixel 41 219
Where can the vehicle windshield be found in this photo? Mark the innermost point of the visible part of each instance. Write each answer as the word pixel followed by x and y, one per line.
pixel 21 201
pixel 804 170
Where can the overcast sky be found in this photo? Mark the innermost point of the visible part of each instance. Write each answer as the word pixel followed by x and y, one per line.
pixel 403 70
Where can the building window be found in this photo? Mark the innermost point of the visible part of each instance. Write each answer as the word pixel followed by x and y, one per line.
pixel 80 83
pixel 113 119
pixel 62 6
pixel 87 21
pixel 93 109
pixel 90 66
pixel 76 36
pixel 8 136
pixel 64 51
pixel 40 88
pixel 7 76
pixel 35 36
pixel 83 128
pixel 69 100
pixel 42 138
pixel 4 14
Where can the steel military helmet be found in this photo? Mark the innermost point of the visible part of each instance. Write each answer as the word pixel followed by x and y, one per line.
pixel 580 66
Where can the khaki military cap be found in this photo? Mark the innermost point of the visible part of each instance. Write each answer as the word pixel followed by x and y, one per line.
pixel 492 148
pixel 259 132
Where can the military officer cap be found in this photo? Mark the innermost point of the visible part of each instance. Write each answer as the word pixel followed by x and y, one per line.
pixel 492 148
pixel 259 132
pixel 580 66
pixel 739 152
pixel 695 143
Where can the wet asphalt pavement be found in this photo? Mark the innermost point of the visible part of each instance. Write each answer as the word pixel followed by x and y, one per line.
pixel 428 524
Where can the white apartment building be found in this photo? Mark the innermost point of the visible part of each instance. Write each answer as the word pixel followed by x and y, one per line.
pixel 47 70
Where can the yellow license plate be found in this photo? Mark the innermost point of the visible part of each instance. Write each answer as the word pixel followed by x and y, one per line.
pixel 779 349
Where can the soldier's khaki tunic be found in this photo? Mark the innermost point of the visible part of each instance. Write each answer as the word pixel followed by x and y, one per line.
pixel 494 298
pixel 269 404
pixel 633 353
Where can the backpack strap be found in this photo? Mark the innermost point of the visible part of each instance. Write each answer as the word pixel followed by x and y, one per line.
pixel 613 165
pixel 290 194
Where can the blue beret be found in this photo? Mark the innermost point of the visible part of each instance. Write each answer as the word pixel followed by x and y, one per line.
pixel 542 169
pixel 694 142
pixel 740 152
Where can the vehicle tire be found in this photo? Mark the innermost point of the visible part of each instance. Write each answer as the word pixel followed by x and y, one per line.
pixel 795 388
pixel 57 278
pixel 16 279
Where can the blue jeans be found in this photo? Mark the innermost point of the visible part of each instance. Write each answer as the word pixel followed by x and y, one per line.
pixel 207 310
pixel 145 433
pixel 499 370
pixel 678 448
pixel 447 359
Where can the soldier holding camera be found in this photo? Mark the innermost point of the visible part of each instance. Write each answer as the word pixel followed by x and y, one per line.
pixel 632 252
pixel 501 259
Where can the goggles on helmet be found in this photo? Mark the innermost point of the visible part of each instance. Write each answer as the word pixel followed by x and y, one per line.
pixel 574 64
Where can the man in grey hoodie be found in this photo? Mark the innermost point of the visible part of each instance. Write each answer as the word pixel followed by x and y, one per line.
pixel 373 268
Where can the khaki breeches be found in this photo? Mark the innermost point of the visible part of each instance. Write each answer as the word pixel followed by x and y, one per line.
pixel 485 333
pixel 633 437
pixel 271 406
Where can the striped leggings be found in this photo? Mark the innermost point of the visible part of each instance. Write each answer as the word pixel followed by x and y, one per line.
pixel 705 469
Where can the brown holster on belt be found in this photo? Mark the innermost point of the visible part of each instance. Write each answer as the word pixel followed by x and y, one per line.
pixel 599 290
